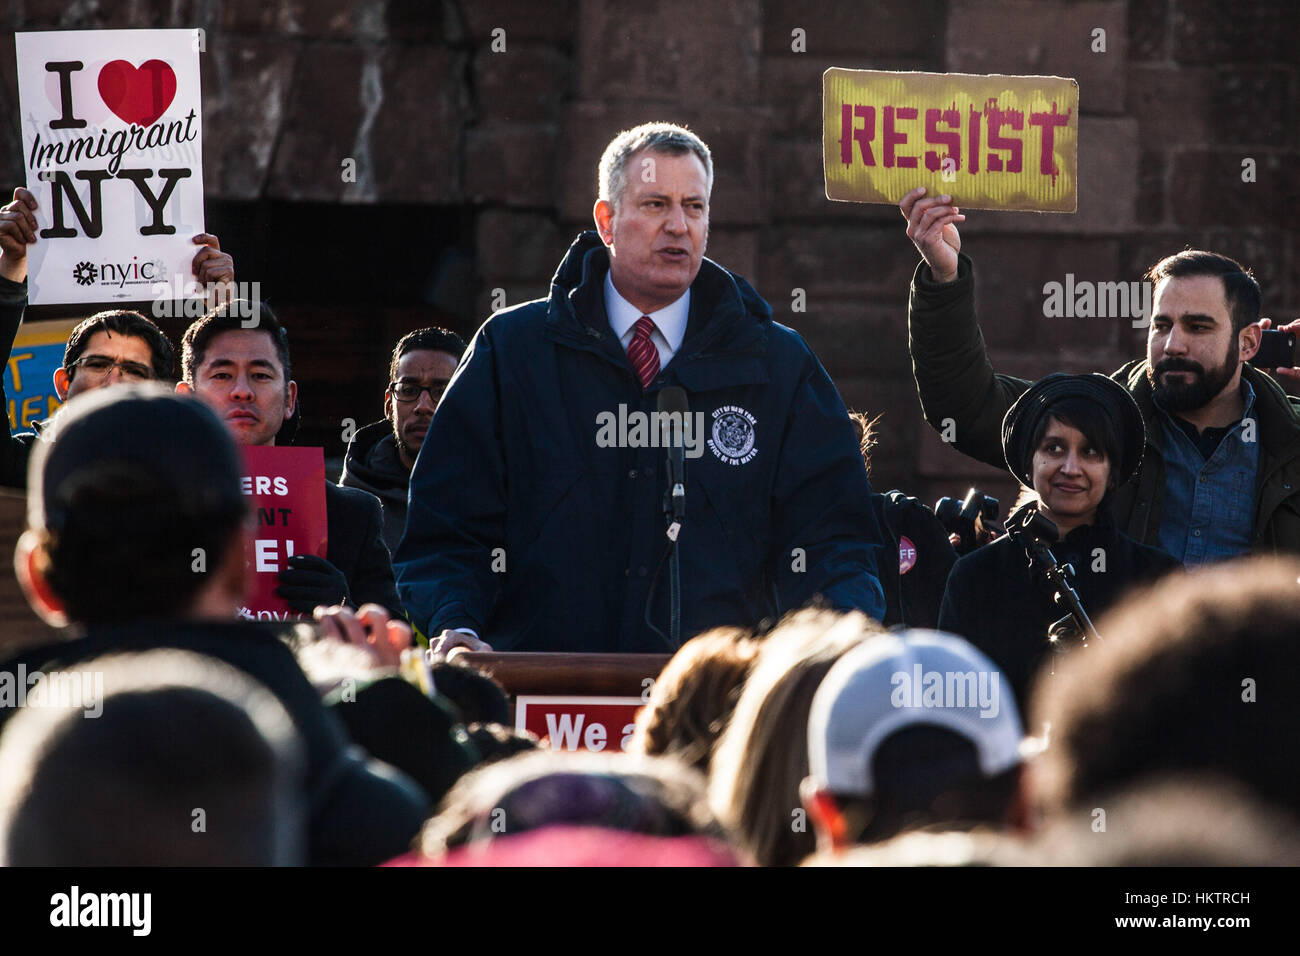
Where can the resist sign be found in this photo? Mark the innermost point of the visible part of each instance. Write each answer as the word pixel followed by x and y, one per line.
pixel 285 488
pixel 991 142
pixel 578 723
pixel 112 150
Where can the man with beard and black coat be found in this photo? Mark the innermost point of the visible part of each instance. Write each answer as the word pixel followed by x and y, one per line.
pixel 381 455
pixel 1220 474
pixel 136 540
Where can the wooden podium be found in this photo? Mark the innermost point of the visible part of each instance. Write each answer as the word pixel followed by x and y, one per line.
pixel 577 701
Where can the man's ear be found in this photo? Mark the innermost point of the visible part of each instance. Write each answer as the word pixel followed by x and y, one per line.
pixel 184 388
pixel 61 383
pixel 390 413
pixel 291 400
pixel 827 819
pixel 603 213
pixel 1248 341
pixel 40 595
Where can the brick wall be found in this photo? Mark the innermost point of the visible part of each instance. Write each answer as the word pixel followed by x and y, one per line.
pixel 434 116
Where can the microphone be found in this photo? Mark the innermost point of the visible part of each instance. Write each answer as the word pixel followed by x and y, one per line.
pixel 673 412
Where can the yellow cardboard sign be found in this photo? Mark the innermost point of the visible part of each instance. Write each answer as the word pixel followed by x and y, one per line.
pixel 991 142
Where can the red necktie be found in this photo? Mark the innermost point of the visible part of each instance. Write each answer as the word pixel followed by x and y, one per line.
pixel 642 352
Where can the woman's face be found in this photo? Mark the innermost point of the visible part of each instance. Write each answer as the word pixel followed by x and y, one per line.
pixel 1070 475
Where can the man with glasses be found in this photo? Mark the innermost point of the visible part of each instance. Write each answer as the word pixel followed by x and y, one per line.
pixel 105 349
pixel 380 456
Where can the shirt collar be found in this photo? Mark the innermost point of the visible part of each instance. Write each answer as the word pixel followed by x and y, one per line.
pixel 670 320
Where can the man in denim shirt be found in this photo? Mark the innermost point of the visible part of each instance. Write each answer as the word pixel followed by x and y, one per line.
pixel 1221 471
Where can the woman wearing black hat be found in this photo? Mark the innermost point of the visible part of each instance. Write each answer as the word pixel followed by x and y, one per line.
pixel 1073 439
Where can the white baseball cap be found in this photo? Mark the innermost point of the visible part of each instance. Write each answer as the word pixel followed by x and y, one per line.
pixel 904 679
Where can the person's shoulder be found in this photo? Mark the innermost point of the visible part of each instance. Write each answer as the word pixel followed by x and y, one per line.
pixel 995 555
pixel 524 318
pixel 343 501
pixel 1148 557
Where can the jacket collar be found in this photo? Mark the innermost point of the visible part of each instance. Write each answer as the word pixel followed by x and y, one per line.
pixel 727 318
pixel 1278 421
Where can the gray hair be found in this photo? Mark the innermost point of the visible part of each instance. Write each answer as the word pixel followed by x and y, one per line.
pixel 660 137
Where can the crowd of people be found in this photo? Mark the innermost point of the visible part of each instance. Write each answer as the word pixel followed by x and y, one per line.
pixel 849 683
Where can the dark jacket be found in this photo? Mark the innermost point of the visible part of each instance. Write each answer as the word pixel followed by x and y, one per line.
pixel 356 547
pixel 539 538
pixel 955 381
pixel 914 572
pixel 362 812
pixel 995 601
pixel 15 449
pixel 373 464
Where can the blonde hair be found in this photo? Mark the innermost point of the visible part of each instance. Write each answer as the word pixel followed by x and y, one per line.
pixel 762 756
pixel 694 696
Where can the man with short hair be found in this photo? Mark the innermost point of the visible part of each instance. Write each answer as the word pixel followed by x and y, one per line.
pixel 546 529
pixel 105 349
pixel 1220 475
pixel 136 535
pixel 381 455
pixel 243 373
pixel 911 729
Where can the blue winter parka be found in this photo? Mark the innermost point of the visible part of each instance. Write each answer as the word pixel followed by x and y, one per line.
pixel 536 510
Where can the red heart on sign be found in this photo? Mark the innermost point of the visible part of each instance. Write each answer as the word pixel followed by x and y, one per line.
pixel 138 96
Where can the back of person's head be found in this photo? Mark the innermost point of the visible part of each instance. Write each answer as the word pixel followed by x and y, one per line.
pixel 493 742
pixel 134 508
pixel 478 697
pixel 1240 290
pixel 656 796
pixel 121 322
pixel 911 729
pixel 762 757
pixel 1174 821
pixel 432 339
pixel 1195 675
pixel 694 695
pixel 186 762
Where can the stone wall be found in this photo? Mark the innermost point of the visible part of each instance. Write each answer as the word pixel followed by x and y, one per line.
pixel 435 112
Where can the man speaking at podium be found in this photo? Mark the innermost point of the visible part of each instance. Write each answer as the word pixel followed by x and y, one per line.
pixel 548 527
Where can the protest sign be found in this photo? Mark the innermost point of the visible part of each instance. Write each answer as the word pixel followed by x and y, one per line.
pixel 286 493
pixel 990 142
pixel 112 148
pixel 578 723
pixel 29 376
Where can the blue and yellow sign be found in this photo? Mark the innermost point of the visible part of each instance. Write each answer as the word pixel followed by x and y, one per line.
pixel 29 376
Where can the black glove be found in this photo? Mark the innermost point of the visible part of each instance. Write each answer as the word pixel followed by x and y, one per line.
pixel 309 581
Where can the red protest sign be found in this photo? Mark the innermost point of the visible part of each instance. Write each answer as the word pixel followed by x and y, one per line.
pixel 578 723
pixel 286 493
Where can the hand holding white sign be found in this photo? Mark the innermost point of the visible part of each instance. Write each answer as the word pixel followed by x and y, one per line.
pixel 17 231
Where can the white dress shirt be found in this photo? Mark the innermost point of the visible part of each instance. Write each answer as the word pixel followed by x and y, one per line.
pixel 670 321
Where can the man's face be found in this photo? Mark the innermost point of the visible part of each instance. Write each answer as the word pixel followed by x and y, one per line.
pixel 98 366
pixel 656 236
pixel 417 369
pixel 1193 353
pixel 242 381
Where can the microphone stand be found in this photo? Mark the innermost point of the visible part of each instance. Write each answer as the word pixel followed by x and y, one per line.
pixel 1033 532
